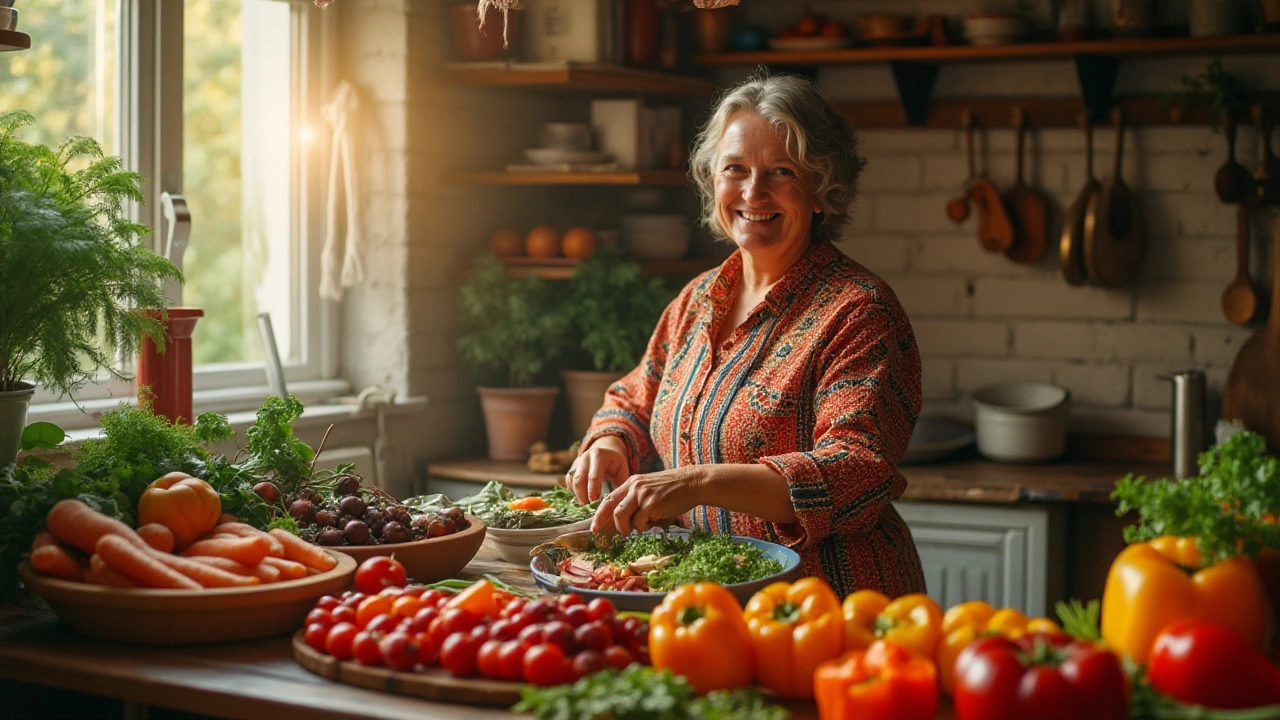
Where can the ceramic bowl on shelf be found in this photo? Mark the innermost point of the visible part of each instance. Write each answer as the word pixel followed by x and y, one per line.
pixel 429 560
pixel 1021 422
pixel 148 616
pixel 655 237
pixel 514 545
pixel 935 439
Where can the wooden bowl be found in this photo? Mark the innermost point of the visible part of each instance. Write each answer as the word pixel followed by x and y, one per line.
pixel 187 617
pixel 427 561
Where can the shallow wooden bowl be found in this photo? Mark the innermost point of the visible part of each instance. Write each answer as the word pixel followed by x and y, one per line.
pixel 187 617
pixel 429 560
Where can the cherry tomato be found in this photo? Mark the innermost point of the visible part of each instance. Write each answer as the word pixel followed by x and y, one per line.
pixel 383 624
pixel 428 648
pixel 435 597
pixel 379 572
pixel 323 617
pixel 327 602
pixel 487 659
pixel 541 610
pixel 587 662
pixel 564 602
pixel 618 657
pixel 511 659
pixel 342 614
pixel 422 619
pixel 458 620
pixel 602 609
pixel 399 651
pixel 531 635
pixel 406 606
pixel 458 654
pixel 513 607
pixel 560 633
pixel 353 599
pixel 596 635
pixel 364 648
pixel 316 635
pixel 502 630
pixel 545 664
pixel 338 644
pixel 414 589
pixel 577 615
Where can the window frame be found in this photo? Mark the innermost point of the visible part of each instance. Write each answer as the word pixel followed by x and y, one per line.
pixel 150 141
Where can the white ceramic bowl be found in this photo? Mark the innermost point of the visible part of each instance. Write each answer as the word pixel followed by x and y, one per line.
pixel 514 545
pixel 1022 421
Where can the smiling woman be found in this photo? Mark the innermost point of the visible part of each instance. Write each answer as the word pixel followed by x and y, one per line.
pixel 779 391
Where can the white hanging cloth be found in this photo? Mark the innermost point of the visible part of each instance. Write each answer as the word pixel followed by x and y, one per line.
pixel 335 276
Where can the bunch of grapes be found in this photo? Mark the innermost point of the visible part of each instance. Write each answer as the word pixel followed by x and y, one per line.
pixel 344 512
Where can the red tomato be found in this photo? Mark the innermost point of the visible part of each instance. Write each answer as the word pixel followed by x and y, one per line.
pixel 364 648
pixel 564 602
pixel 531 635
pixel 327 602
pixel 560 633
pixel 343 613
pixel 338 644
pixel 379 572
pixel 618 657
pixel 399 651
pixel 406 606
pixel 324 617
pixel 435 597
pixel 316 635
pixel 488 660
pixel 513 608
pixel 586 663
pixel 602 609
pixel 809 25
pixel 422 619
pixel 458 620
pixel 458 654
pixel 503 630
pixel 1048 677
pixel 383 624
pixel 577 615
pixel 596 635
pixel 428 648
pixel 546 664
pixel 511 659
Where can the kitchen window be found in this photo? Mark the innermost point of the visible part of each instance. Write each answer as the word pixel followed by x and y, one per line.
pixel 217 101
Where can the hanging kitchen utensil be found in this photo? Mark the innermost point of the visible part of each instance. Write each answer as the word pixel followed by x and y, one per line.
pixel 1267 176
pixel 1240 300
pixel 1027 207
pixel 1233 182
pixel 1252 392
pixel 1113 243
pixel 958 208
pixel 995 231
pixel 1071 244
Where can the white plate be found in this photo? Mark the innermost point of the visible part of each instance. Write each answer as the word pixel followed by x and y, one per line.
pixel 810 43
pixel 556 156
pixel 934 439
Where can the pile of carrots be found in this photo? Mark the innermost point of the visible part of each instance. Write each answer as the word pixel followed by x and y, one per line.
pixel 84 545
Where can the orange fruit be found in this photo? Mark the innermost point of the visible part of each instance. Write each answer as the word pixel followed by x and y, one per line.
pixel 578 243
pixel 506 243
pixel 542 242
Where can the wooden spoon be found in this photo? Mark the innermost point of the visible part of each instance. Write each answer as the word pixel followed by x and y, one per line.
pixel 1252 392
pixel 995 231
pixel 1113 250
pixel 958 208
pixel 1071 244
pixel 1028 207
pixel 1240 300
pixel 1233 182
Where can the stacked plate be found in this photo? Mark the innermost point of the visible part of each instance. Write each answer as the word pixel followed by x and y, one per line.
pixel 655 236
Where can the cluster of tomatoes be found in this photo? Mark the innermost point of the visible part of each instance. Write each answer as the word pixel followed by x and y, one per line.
pixel 480 630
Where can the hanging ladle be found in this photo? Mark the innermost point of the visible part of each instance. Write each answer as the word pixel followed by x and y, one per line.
pixel 1240 300
pixel 1233 182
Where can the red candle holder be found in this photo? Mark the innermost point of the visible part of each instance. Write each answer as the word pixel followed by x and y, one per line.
pixel 167 375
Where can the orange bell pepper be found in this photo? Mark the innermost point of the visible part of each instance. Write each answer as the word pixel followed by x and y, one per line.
pixel 966 622
pixel 883 682
pixel 794 628
pixel 1154 583
pixel 698 632
pixel 913 621
pixel 188 506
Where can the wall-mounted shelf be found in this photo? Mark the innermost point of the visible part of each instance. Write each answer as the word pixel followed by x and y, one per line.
pixel 14 40
pixel 915 69
pixel 672 178
pixel 562 268
pixel 573 77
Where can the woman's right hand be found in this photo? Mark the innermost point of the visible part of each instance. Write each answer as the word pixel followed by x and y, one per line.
pixel 605 459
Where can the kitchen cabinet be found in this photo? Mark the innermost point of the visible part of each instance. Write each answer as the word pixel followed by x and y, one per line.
pixel 1006 556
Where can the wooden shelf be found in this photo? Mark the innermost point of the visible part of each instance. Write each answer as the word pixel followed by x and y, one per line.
pixel 1116 48
pixel 14 40
pixel 574 77
pixel 564 270
pixel 672 178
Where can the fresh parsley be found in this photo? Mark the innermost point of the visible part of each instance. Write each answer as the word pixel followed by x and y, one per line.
pixel 700 556
pixel 642 693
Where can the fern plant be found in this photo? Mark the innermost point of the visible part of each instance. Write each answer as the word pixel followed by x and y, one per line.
pixel 614 308
pixel 513 331
pixel 73 276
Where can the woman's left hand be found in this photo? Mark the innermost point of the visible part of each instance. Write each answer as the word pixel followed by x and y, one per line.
pixel 643 500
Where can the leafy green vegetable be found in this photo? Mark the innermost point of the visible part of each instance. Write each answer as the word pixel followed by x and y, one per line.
pixel 1081 620
pixel 614 306
pixel 642 693
pixel 42 435
pixel 274 453
pixel 700 556
pixel 1229 507
pixel 492 503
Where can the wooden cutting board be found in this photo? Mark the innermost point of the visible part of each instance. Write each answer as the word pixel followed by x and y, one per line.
pixel 1252 392
pixel 434 683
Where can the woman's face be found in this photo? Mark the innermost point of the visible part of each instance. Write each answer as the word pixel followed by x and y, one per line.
pixel 763 198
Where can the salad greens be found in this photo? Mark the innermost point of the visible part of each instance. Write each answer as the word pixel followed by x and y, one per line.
pixel 642 693
pixel 700 556
pixel 493 505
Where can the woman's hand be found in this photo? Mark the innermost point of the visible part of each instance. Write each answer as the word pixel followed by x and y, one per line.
pixel 604 459
pixel 644 500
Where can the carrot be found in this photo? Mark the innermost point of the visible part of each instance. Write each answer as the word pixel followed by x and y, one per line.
pixel 80 526
pixel 42 539
pixel 157 536
pixel 262 571
pixel 249 531
pixel 141 564
pixel 53 561
pixel 289 570
pixel 299 550
pixel 207 575
pixel 249 551
pixel 103 574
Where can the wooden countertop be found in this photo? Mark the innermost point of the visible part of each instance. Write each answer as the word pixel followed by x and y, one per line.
pixel 252 679
pixel 964 478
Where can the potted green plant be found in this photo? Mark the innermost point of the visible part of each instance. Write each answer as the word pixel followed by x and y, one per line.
pixel 513 335
pixel 72 272
pixel 613 308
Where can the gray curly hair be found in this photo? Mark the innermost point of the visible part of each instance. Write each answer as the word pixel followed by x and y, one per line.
pixel 818 139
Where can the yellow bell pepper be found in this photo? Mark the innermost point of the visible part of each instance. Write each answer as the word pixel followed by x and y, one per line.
pixel 794 628
pixel 912 621
pixel 1154 583
pixel 698 632
pixel 966 622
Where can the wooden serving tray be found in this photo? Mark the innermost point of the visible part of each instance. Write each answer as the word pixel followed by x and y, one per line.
pixel 434 683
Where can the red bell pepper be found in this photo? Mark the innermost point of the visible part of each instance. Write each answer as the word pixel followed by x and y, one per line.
pixel 1041 676
pixel 1211 665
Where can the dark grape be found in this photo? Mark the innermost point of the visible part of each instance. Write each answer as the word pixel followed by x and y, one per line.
pixel 329 536
pixel 347 485
pixel 352 505
pixel 356 532
pixel 303 511
pixel 394 532
pixel 398 513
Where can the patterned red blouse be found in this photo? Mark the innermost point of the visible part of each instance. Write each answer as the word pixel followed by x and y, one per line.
pixel 821 383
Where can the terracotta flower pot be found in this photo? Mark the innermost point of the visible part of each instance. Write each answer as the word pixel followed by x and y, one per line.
pixel 168 374
pixel 13 418
pixel 515 418
pixel 584 391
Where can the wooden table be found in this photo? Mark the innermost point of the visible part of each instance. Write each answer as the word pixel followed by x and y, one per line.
pixel 252 679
